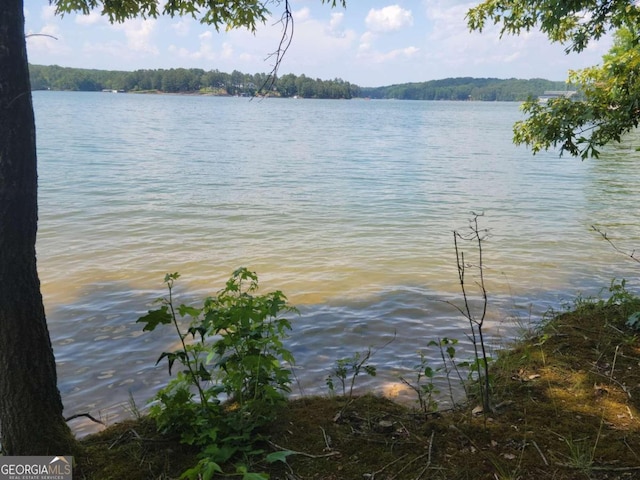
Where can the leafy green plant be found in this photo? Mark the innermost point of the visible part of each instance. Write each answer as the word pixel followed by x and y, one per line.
pixel 350 367
pixel 426 373
pixel 619 293
pixel 627 301
pixel 478 380
pixel 425 391
pixel 447 347
pixel 619 296
pixel 232 355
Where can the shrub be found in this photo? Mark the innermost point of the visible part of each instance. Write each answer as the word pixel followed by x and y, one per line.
pixel 233 372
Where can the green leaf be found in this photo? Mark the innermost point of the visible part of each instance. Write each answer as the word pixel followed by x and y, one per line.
pixel 185 310
pixel 154 318
pixel 205 470
pixel 170 277
pixel 200 330
pixel 280 456
pixel 204 374
pixel 255 476
pixel 190 474
pixel 371 370
pixel 172 357
pixel 633 321
pixel 210 469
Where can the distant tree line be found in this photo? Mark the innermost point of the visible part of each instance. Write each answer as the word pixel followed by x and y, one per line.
pixel 467 88
pixel 195 80
pixel 183 80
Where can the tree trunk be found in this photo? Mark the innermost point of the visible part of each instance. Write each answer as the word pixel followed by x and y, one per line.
pixel 31 418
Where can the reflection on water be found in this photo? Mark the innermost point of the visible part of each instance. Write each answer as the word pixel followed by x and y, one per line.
pixel 347 207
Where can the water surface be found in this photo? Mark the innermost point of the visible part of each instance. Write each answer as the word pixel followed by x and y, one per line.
pixel 346 206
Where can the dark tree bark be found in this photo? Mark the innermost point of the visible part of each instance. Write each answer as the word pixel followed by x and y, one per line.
pixel 31 418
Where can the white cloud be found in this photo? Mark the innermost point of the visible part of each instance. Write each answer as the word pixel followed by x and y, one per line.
pixel 388 19
pixel 334 28
pixel 48 42
pixel 302 15
pixel 317 43
pixel 366 41
pixel 48 13
pixel 138 44
pixel 182 27
pixel 107 49
pixel 139 34
pixel 336 20
pixel 460 52
pixel 448 19
pixel 227 51
pixel 207 50
pixel 93 18
pixel 372 56
pixel 207 47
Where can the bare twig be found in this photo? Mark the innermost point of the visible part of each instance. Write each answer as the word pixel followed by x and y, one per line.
pixel 118 440
pixel 304 454
pixel 373 475
pixel 476 321
pixel 615 247
pixel 40 35
pixel 88 415
pixel 544 459
pixel 602 468
pixel 611 379
pixel 327 440
pixel 286 20
pixel 419 457
pixel 428 465
pixel 629 446
pixel 613 365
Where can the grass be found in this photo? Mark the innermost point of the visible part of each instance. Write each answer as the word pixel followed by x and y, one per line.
pixel 567 406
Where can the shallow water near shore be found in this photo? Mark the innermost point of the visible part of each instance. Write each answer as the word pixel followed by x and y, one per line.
pixel 348 207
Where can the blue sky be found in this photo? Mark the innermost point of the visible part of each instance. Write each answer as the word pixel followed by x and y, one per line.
pixel 370 43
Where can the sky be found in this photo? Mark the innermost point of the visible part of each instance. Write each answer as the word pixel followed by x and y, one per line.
pixel 370 43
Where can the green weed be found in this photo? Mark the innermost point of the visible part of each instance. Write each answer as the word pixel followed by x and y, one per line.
pixel 232 376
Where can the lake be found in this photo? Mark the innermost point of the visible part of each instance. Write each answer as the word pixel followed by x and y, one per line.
pixel 348 207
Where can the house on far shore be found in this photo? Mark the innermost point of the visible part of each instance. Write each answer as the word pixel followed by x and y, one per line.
pixel 549 94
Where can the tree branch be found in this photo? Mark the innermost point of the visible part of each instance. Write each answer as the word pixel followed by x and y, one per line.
pixel 615 247
pixel 88 415
pixel 286 20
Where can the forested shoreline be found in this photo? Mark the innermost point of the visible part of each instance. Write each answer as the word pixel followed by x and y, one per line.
pixel 183 80
pixel 214 82
pixel 467 88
